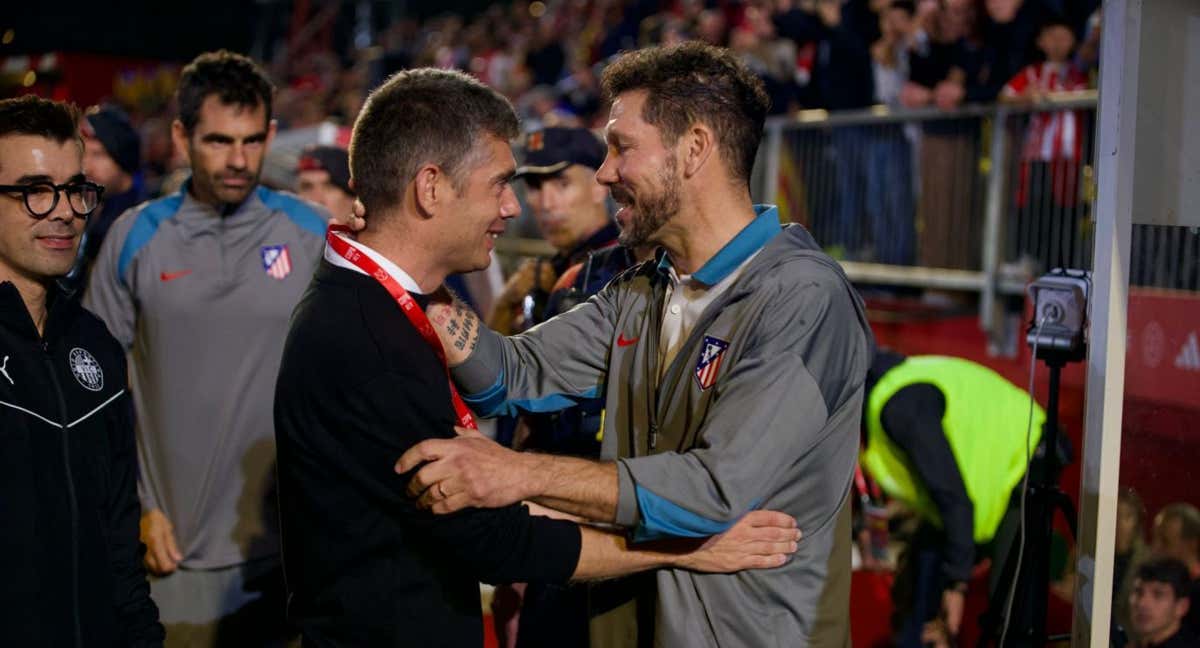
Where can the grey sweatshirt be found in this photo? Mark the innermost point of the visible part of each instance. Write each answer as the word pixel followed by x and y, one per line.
pixel 202 303
pixel 777 428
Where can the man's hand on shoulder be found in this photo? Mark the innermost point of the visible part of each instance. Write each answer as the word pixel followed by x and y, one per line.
pixel 456 324
pixel 355 220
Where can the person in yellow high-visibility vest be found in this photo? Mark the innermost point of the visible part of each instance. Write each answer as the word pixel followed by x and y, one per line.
pixel 948 438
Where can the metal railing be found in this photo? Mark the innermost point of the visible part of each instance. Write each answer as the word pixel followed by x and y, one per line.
pixel 980 199
pixel 967 200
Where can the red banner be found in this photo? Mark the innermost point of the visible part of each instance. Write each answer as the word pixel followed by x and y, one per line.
pixel 1162 362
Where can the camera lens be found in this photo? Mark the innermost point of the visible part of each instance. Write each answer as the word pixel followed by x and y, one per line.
pixel 1052 312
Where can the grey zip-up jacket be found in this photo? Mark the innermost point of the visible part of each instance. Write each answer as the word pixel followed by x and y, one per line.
pixel 777 427
pixel 202 302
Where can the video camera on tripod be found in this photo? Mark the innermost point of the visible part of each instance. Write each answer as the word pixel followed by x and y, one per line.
pixel 1058 335
pixel 1060 303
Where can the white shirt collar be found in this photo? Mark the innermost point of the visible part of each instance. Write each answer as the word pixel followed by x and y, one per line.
pixel 398 274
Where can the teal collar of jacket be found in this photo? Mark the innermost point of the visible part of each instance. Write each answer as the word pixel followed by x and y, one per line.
pixel 751 239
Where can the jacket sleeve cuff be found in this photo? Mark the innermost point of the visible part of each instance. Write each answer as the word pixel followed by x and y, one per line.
pixel 627 506
pixel 484 368
pixel 958 568
pixel 145 498
pixel 558 544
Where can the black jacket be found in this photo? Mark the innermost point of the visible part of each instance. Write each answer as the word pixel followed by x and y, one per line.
pixel 364 567
pixel 912 419
pixel 69 549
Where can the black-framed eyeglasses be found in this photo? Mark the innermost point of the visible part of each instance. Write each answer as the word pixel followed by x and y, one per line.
pixel 42 197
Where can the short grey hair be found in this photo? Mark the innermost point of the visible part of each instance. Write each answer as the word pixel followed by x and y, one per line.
pixel 422 116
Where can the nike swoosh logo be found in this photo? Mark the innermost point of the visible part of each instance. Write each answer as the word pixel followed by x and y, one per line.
pixel 168 276
pixel 623 341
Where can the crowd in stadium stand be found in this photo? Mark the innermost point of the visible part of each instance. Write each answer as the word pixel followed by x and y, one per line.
pixel 833 55
pixel 812 54
pixel 546 57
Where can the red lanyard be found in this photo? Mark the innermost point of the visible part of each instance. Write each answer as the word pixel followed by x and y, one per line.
pixel 408 306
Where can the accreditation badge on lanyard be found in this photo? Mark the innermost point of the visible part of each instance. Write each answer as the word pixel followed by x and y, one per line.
pixel 409 306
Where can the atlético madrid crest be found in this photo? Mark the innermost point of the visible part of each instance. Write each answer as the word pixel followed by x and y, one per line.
pixel 276 260
pixel 711 354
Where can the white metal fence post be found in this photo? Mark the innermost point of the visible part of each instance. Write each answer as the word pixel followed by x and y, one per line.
pixel 1105 397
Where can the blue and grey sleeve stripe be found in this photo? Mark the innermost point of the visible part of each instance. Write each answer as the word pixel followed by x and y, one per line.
pixel 303 214
pixel 662 518
pixel 145 226
pixel 494 401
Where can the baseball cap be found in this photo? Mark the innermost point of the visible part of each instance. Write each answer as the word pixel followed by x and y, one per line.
pixel 116 134
pixel 332 159
pixel 551 150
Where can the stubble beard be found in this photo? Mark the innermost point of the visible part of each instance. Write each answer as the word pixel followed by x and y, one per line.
pixel 654 211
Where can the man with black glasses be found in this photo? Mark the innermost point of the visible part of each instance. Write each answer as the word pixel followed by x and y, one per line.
pixel 69 549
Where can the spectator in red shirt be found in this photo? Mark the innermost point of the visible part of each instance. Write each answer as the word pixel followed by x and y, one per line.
pixel 1048 186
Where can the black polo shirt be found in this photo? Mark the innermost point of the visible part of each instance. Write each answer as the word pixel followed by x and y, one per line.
pixel 357 387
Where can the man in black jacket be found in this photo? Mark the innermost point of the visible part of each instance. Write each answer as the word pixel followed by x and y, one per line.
pixel 359 385
pixel 69 551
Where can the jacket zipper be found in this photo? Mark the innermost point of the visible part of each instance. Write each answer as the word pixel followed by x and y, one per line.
pixel 225 277
pixel 654 371
pixel 71 500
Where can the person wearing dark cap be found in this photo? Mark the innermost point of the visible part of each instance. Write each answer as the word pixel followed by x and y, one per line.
pixel 112 157
pixel 323 177
pixel 572 214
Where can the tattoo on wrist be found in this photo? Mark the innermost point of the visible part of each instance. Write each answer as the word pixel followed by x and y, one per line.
pixel 464 322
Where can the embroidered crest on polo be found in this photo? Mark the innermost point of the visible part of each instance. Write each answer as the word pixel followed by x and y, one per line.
pixel 87 371
pixel 276 261
pixel 711 354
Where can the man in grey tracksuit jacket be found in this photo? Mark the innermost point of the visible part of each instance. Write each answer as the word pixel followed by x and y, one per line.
pixel 186 290
pixel 202 302
pixel 773 425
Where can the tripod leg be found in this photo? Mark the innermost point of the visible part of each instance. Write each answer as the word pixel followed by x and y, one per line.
pixel 1003 553
pixel 1062 502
